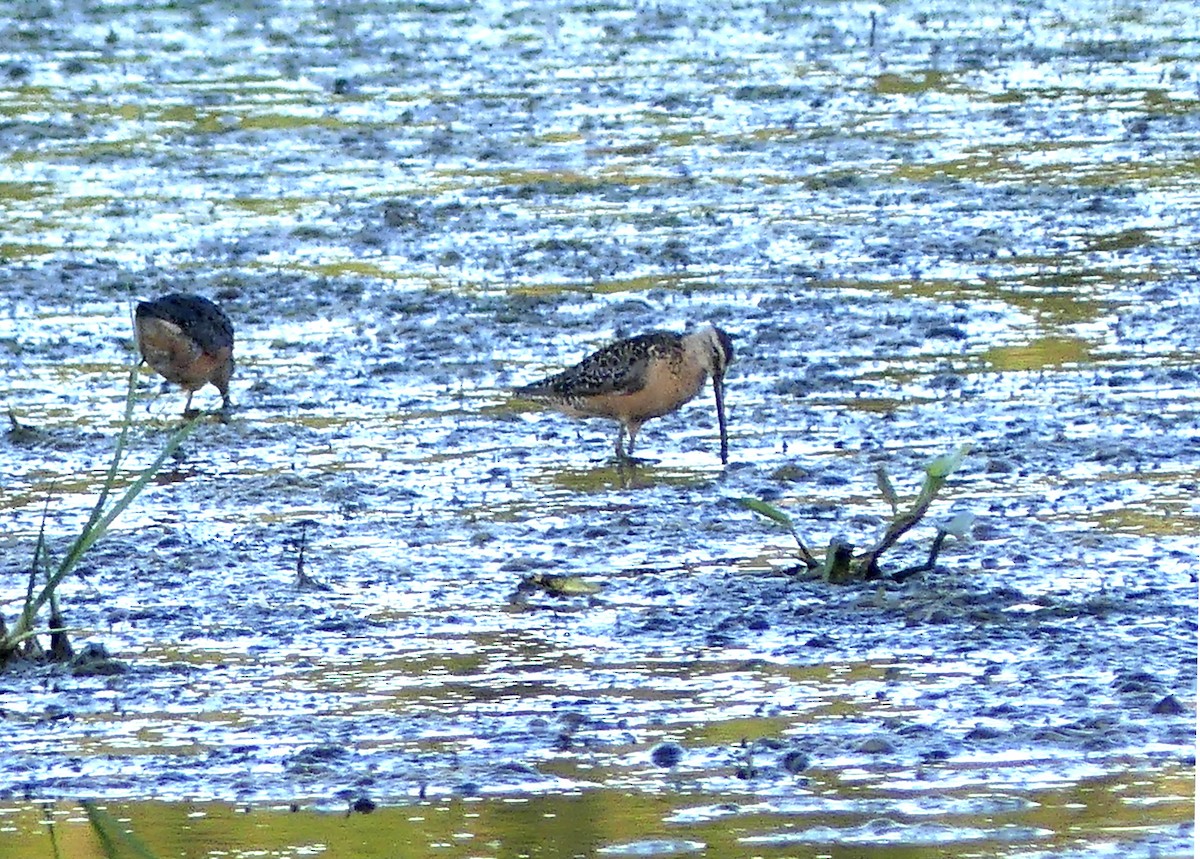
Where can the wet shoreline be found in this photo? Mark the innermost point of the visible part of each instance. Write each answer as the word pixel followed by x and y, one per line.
pixel 976 229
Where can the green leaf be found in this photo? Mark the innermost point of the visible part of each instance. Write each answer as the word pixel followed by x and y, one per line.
pixel 885 487
pixel 959 526
pixel 941 466
pixel 762 508
pixel 562 586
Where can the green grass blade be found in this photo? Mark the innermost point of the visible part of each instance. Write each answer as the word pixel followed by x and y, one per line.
pixel 48 822
pixel 118 451
pixel 886 489
pixel 762 508
pixel 88 538
pixel 99 523
pixel 40 562
pixel 115 841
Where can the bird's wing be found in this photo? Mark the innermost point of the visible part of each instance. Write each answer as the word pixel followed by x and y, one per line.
pixel 619 368
pixel 210 328
pixel 200 320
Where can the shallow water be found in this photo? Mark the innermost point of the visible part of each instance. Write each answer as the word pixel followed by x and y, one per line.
pixel 977 228
pixel 640 823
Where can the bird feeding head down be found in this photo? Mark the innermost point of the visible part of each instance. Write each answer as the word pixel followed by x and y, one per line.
pixel 718 348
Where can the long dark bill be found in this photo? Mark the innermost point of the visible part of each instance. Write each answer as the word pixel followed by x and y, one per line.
pixel 719 393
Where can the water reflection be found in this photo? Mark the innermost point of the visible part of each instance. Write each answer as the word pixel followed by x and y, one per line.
pixel 1145 807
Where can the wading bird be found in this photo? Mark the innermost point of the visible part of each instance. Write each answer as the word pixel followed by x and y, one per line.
pixel 187 340
pixel 642 377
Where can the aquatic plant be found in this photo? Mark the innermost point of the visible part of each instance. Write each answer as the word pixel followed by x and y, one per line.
pixel 304 581
pixel 841 564
pixel 116 841
pixel 23 634
pixel 554 584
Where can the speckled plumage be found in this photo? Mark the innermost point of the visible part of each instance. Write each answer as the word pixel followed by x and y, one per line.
pixel 188 341
pixel 639 378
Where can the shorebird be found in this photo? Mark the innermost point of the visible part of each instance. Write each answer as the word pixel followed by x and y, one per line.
pixel 642 377
pixel 187 340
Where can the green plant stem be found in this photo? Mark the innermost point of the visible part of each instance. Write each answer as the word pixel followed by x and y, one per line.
pixel 97 528
pixel 115 840
pixel 868 561
pixel 118 451
pixel 48 822
pixel 929 563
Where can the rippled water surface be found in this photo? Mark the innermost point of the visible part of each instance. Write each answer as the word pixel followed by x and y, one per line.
pixel 924 225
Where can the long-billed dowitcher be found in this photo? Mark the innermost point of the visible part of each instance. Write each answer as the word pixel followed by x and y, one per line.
pixel 642 377
pixel 187 340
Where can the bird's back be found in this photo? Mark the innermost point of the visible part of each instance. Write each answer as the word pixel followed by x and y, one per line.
pixel 619 368
pixel 196 318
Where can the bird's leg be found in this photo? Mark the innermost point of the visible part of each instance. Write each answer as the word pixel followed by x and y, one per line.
pixel 625 463
pixel 621 455
pixel 625 454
